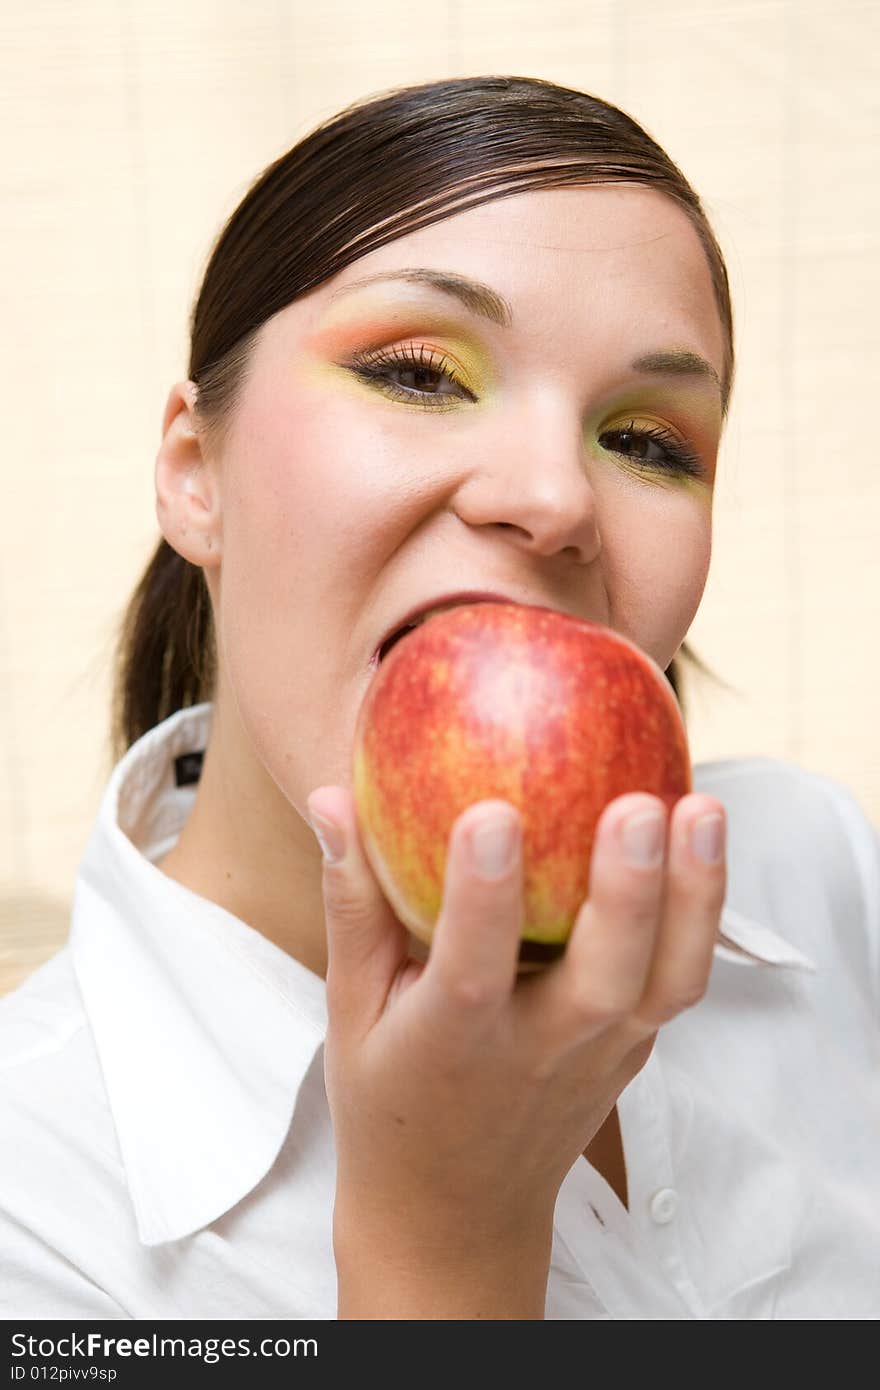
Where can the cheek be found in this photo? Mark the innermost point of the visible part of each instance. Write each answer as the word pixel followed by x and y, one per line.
pixel 276 483
pixel 295 485
pixel 306 500
pixel 278 532
pixel 657 563
pixel 321 471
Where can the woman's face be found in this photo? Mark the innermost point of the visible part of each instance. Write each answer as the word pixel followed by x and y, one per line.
pixel 340 502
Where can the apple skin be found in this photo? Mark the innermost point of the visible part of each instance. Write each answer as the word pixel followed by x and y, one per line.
pixel 555 714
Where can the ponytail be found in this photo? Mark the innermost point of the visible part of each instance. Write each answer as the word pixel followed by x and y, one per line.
pixel 166 655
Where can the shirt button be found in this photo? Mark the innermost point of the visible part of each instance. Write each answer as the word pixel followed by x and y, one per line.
pixel 664 1205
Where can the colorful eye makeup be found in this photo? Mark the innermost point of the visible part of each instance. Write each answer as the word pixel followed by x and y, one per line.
pixel 423 377
pixel 430 374
pixel 458 374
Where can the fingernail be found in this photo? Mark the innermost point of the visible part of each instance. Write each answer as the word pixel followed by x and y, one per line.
pixel 330 837
pixel 643 837
pixel 493 846
pixel 707 837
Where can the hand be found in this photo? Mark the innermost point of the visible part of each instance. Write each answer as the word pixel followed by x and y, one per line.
pixel 460 1093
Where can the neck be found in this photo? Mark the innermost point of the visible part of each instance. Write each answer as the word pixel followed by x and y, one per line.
pixel 246 848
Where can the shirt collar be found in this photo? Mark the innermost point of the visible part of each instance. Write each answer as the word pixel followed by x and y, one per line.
pixel 204 1028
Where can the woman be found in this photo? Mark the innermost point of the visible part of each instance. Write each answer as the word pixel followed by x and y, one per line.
pixel 469 336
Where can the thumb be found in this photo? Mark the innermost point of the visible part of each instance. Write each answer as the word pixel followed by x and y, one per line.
pixel 366 943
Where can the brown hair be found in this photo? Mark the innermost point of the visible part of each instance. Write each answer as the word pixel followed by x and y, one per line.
pixel 378 169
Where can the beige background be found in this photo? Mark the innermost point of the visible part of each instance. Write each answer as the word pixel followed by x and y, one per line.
pixel 131 130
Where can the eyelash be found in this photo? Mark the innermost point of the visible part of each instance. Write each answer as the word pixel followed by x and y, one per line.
pixel 372 367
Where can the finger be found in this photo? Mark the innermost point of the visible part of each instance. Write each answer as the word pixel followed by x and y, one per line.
pixel 475 947
pixel 696 885
pixel 602 975
pixel 366 942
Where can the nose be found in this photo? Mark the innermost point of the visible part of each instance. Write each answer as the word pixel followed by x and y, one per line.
pixel 534 484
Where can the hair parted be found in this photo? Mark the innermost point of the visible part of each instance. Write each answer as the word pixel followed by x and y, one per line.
pixel 380 168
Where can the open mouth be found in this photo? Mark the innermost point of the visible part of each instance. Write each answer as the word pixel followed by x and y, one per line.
pixel 393 640
pixel 406 628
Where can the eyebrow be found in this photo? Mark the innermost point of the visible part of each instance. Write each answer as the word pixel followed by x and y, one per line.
pixel 485 302
pixel 477 297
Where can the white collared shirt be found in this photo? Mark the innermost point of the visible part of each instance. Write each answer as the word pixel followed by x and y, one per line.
pixel 167 1149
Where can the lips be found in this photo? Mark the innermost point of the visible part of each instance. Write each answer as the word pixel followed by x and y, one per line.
pixel 422 611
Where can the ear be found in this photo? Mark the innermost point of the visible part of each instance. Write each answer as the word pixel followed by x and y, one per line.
pixel 187 489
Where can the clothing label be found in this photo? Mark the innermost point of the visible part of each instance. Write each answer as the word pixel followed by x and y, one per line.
pixel 188 768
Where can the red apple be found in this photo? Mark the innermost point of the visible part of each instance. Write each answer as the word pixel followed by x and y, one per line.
pixel 554 714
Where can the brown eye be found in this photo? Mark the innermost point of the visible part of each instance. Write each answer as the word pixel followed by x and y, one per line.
pixel 420 379
pixel 421 374
pixel 656 448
